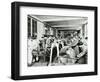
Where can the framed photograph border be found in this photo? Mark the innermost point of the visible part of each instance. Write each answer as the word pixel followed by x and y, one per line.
pixel 15 40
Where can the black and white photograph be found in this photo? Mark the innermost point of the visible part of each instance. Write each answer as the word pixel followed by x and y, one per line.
pixel 53 40
pixel 56 40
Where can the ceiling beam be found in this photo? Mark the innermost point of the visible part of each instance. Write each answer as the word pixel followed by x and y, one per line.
pixel 67 25
pixel 62 19
pixel 70 28
pixel 73 22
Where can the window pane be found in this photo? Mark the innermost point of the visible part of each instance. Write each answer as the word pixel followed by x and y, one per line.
pixel 35 26
pixel 29 27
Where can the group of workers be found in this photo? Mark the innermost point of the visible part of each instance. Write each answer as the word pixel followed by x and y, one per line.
pixel 54 50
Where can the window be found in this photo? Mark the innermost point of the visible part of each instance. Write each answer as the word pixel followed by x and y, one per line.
pixel 32 28
pixel 29 27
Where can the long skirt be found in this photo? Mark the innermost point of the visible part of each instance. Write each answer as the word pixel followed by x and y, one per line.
pixel 54 53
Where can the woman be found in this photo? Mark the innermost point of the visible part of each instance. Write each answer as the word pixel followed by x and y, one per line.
pixel 54 52
pixel 83 52
pixel 32 45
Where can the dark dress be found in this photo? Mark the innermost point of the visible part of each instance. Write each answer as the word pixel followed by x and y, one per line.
pixel 83 59
pixel 54 53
